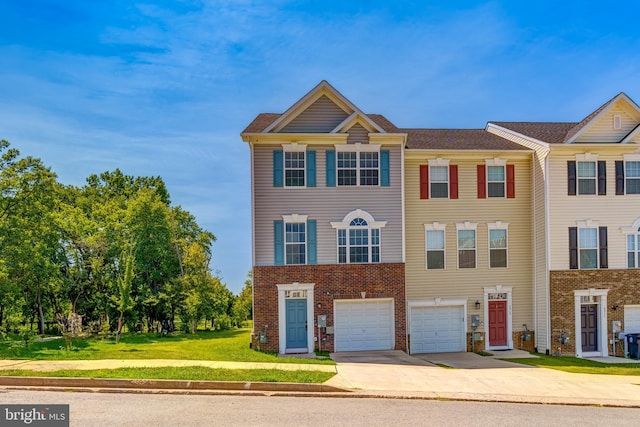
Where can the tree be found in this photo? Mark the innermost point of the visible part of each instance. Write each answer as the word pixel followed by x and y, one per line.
pixel 124 301
pixel 243 304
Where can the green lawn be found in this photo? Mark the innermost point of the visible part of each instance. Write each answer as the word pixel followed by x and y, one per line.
pixel 191 373
pixel 205 345
pixel 581 366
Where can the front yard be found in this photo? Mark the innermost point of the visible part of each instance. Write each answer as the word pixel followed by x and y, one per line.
pixel 580 366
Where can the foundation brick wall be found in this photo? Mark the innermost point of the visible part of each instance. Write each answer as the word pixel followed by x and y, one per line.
pixel 517 341
pixel 624 289
pixel 332 281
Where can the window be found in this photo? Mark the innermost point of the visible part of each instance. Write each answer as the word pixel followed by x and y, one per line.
pixel 358 238
pixel 435 246
pixel 633 250
pixel 358 168
pixel 588 246
pixel 347 169
pixel 496 179
pixel 294 169
pixel 497 245
pixel 295 243
pixel 586 177
pixel 295 240
pixel 466 245
pixel 632 177
pixel 439 180
pixel 294 166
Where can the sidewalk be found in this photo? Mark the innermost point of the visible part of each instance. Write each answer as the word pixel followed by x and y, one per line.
pixel 391 374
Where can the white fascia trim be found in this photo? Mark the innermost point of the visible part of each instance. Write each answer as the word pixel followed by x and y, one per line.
pixel 517 134
pixel 603 346
pixel 357 147
pixel 631 135
pixel 435 226
pixel 612 103
pixel 439 162
pixel 322 88
pixel 496 162
pixel 294 147
pixel 358 213
pixel 282 314
pixel 358 117
pixel 295 218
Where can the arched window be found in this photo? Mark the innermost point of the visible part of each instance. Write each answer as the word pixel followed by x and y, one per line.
pixel 358 238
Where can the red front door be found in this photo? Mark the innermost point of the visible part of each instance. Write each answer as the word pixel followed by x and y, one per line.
pixel 497 323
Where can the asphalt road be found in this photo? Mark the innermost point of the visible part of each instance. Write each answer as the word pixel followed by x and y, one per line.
pixel 109 409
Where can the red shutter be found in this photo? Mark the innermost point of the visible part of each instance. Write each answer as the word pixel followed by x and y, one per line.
pixel 424 181
pixel 453 181
pixel 511 181
pixel 482 182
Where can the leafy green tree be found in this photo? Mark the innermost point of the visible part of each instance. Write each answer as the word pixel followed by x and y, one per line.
pixel 243 304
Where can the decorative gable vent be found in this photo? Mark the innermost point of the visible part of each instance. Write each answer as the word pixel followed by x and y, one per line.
pixel 617 121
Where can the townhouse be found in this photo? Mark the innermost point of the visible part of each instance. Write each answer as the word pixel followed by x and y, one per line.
pixel 367 236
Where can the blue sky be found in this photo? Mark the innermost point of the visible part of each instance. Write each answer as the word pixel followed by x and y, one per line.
pixel 165 87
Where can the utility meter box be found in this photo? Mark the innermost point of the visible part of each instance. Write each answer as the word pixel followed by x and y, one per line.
pixel 475 320
pixel 322 321
pixel 616 326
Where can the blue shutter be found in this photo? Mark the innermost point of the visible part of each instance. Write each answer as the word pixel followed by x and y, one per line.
pixel 385 178
pixel 331 168
pixel 311 168
pixel 278 242
pixel 312 247
pixel 278 164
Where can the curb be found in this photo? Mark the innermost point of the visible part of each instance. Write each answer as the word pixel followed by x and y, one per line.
pixel 166 384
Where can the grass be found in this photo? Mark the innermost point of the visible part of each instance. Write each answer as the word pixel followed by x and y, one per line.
pixel 190 373
pixel 581 366
pixel 230 345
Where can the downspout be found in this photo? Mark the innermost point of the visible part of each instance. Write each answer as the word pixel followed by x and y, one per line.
pixel 548 250
pixel 253 237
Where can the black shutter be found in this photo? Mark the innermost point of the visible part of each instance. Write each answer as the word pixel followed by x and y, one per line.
pixel 619 177
pixel 602 178
pixel 571 169
pixel 602 243
pixel 573 248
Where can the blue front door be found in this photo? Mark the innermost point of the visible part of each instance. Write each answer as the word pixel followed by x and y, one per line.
pixel 296 323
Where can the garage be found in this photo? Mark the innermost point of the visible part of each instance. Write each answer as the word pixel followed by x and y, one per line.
pixel 365 324
pixel 437 329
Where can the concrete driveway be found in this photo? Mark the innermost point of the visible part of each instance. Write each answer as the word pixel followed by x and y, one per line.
pixel 475 377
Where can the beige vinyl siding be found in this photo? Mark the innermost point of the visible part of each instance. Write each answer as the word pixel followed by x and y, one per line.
pixel 320 117
pixel 541 287
pixel 325 205
pixel 613 211
pixel 602 129
pixel 358 134
pixel 422 284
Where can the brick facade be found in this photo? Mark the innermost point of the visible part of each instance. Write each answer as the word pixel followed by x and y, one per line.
pixel 331 282
pixel 624 289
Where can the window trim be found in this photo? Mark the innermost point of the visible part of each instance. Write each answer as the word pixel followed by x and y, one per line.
pixel 498 225
pixel 439 162
pixel 629 158
pixel 294 148
pixel 296 219
pixel 359 148
pixel 496 162
pixel 467 226
pixel 435 226
pixel 345 224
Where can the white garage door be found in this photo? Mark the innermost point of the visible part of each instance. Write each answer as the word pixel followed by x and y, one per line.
pixel 363 325
pixel 437 329
pixel 632 319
